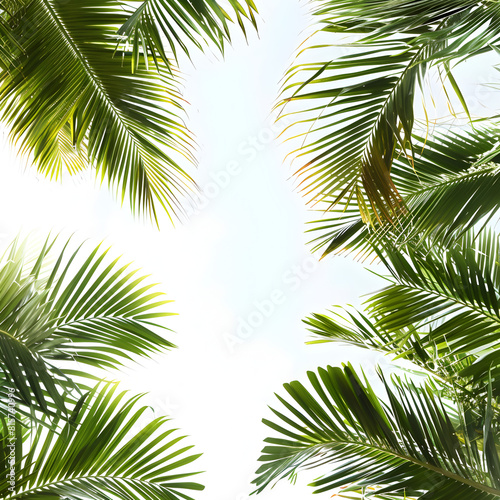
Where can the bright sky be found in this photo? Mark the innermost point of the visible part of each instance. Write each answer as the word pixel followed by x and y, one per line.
pixel 239 270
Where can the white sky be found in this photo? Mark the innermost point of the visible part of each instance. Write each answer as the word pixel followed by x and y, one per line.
pixel 243 247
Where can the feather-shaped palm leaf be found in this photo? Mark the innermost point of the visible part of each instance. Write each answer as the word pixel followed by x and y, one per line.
pixel 98 455
pixel 61 307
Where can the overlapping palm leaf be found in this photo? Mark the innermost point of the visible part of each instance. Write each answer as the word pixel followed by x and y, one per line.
pixel 440 311
pixel 402 444
pixel 452 297
pixel 436 440
pixel 413 201
pixel 359 107
pixel 449 187
pixel 99 454
pixel 354 328
pixel 97 312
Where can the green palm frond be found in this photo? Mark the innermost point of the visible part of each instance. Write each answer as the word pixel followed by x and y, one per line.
pixel 99 454
pixel 182 23
pixel 361 104
pixel 448 189
pixel 97 313
pixel 351 327
pixel 432 285
pixel 457 20
pixel 358 101
pixel 71 100
pixel 403 443
pixel 354 328
pixel 451 298
pixel 65 75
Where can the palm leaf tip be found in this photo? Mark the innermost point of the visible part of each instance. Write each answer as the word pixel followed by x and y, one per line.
pixel 156 27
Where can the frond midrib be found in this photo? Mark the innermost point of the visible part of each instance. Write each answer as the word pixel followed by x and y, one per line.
pixel 450 475
pixel 450 298
pixel 489 170
pixel 76 51
pixel 411 63
pixel 89 71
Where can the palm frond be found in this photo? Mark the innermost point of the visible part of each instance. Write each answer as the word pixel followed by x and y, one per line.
pixel 353 328
pixel 457 20
pixel 449 188
pixel 451 298
pixel 97 313
pixel 359 100
pixel 403 443
pixel 99 455
pixel 362 103
pixel 65 89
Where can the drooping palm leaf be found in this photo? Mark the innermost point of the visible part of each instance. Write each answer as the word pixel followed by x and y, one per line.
pixel 359 100
pixel 98 312
pixel 69 99
pixel 406 447
pixel 100 455
pixel 66 73
pixel 362 103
